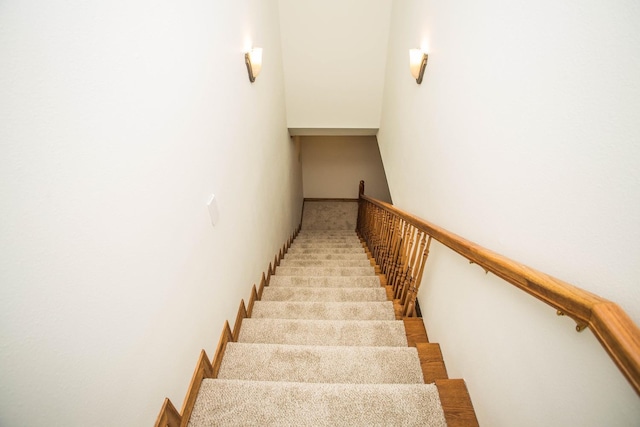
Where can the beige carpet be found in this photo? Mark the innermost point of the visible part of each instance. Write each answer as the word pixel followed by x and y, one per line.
pixel 330 216
pixel 313 310
pixel 273 293
pixel 321 364
pixel 383 333
pixel 325 263
pixel 322 347
pixel 326 271
pixel 265 403
pixel 326 281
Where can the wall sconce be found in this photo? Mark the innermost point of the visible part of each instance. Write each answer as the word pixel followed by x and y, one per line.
pixel 253 59
pixel 417 63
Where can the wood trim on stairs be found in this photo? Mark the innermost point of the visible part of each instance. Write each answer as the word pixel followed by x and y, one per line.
pixel 263 283
pixel 270 273
pixel 456 403
pixel 617 332
pixel 432 362
pixel 242 314
pixel 254 297
pixel 225 337
pixel 203 370
pixel 168 416
pixel 415 330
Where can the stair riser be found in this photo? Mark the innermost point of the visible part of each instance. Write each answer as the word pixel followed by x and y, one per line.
pixel 326 245
pixel 252 403
pixel 321 332
pixel 326 257
pixel 324 294
pixel 325 282
pixel 321 364
pixel 325 251
pixel 318 233
pixel 364 262
pixel 323 311
pixel 325 271
pixel 353 240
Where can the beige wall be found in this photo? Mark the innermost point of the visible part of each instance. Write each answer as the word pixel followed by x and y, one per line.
pixel 119 120
pixel 519 139
pixel 332 167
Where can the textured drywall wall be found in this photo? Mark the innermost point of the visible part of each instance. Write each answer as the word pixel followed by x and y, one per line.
pixel 334 59
pixel 119 120
pixel 524 137
pixel 332 167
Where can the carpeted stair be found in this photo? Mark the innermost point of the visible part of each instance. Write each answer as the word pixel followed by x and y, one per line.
pixel 322 347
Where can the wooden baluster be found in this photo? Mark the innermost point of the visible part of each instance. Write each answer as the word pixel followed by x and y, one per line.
pixel 380 237
pixel 410 268
pixel 406 275
pixel 375 237
pixel 404 260
pixel 367 222
pixel 410 304
pixel 378 233
pixel 385 241
pixel 397 253
pixel 384 261
pixel 374 234
pixel 395 249
pixel 409 298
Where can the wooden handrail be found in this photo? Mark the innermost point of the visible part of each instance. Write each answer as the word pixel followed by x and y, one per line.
pixel 611 325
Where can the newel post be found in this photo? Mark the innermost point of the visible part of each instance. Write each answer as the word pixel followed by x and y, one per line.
pixel 360 207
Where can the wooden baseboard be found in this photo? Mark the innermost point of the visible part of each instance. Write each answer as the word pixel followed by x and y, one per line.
pixel 270 272
pixel 415 330
pixel 263 283
pixel 225 337
pixel 203 370
pixel 242 314
pixel 456 403
pixel 432 363
pixel 252 300
pixel 168 416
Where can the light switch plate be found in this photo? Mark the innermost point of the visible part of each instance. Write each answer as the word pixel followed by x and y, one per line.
pixel 212 205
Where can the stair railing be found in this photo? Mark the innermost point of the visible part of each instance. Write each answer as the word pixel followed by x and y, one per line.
pixel 399 242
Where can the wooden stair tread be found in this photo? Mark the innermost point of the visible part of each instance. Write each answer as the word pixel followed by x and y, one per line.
pixel 456 403
pixel 431 361
pixel 415 330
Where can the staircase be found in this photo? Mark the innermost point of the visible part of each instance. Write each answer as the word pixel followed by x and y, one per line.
pixel 325 345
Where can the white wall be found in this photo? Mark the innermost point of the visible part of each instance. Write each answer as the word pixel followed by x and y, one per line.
pixel 119 119
pixel 332 167
pixel 523 137
pixel 334 58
